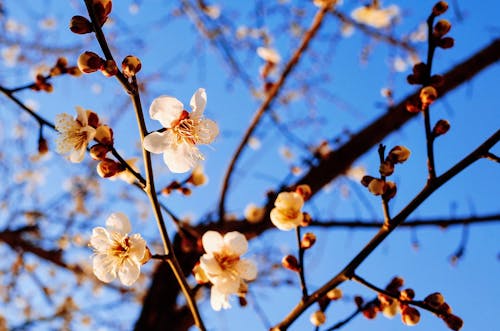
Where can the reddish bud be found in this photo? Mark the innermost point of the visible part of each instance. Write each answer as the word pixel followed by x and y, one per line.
pixel 43 146
pixel 446 42
pixel 290 262
pixel 109 68
pixel 398 154
pixel 131 65
pixel 407 294
pixel 453 322
pixel 390 190
pixel 395 284
pixel 304 190
pixel 410 316
pixel 109 168
pixel 434 300
pixel 428 95
pixel 440 8
pixel 386 168
pixel 80 25
pixel 441 28
pixel 99 152
pixel 441 127
pixel 308 240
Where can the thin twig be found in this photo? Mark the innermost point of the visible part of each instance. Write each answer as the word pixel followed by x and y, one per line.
pixel 302 277
pixel 265 106
pixel 351 267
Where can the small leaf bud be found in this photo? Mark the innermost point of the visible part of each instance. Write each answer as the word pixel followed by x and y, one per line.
pixel 428 95
pixel 444 308
pixel 410 316
pixel 420 70
pixel 453 322
pixel 413 79
pixel 290 262
pixel 89 62
pixel 334 294
pixel 304 190
pixel 109 68
pixel 366 180
pixel 412 107
pixel 102 8
pixel 395 284
pixel 80 25
pixel 386 168
pixel 131 65
pixel 441 28
pixel 446 42
pixel 441 127
pixel 398 154
pixel 308 240
pixel 318 318
pixel 370 312
pixel 253 213
pixel 306 220
pixel 440 8
pixel 434 300
pixel 186 191
pixel 99 152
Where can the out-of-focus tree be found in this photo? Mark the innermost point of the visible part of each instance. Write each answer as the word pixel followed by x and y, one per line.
pixel 331 123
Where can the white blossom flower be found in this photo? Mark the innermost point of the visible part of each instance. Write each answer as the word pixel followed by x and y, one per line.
pixel 75 134
pixel 222 266
pixel 287 214
pixel 375 16
pixel 116 253
pixel 269 54
pixel 184 131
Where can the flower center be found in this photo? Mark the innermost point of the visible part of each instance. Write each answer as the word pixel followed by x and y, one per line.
pixel 226 261
pixel 120 248
pixel 78 138
pixel 184 129
pixel 290 213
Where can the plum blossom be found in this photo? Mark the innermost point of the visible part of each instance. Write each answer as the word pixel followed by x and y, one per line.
pixel 375 16
pixel 75 134
pixel 222 266
pixel 287 214
pixel 116 253
pixel 185 130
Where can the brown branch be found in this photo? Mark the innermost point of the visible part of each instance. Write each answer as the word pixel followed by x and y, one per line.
pixel 348 272
pixel 266 105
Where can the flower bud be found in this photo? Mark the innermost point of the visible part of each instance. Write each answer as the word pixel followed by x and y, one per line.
pixel 441 28
pixel 74 71
pixel 453 322
pixel 109 68
pixel 80 25
pixel 308 240
pixel 390 309
pixel 99 151
pixel 441 127
pixel 410 316
pixel 334 294
pixel 398 154
pixel 440 8
pixel 386 168
pixel 104 135
pixel 102 9
pixel 109 168
pixel 43 146
pixel 420 70
pixel 147 256
pixel 407 294
pixel 428 95
pixel 254 214
pixel 366 180
pixel 199 274
pixel 444 308
pixel 290 262
pixel 306 220
pixel 370 312
pixel 318 318
pixel 434 300
pixel 198 177
pixel 446 42
pixel 131 65
pixel 390 190
pixel 413 79
pixel 92 119
pixel 89 62
pixel 395 284
pixel 376 186
pixel 304 190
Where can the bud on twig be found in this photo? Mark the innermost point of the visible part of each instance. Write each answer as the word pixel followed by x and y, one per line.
pixel 131 65
pixel 318 318
pixel 441 127
pixel 410 316
pixel 390 190
pixel 109 168
pixel 334 294
pixel 308 240
pixel 99 151
pixel 109 68
pixel 440 8
pixel 407 294
pixel 290 262
pixel 43 146
pixel 304 190
pixel 434 300
pixel 446 42
pixel 428 95
pixel 398 154
pixel 441 28
pixel 386 168
pixel 453 322
pixel 80 25
pixel 104 135
pixel 89 62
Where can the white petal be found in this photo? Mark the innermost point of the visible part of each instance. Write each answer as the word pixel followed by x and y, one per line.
pixel 82 116
pixel 218 299
pixel 227 283
pixel 166 109
pixel 198 103
pixel 157 142
pixel 212 242
pixel 210 265
pixel 129 272
pixel 100 239
pixel 236 243
pixel 206 130
pixel 137 247
pixel 104 267
pixel 182 157
pixel 118 222
pixel 64 122
pixel 246 269
pixel 77 155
